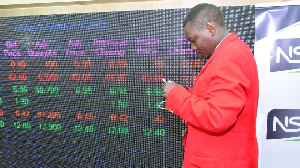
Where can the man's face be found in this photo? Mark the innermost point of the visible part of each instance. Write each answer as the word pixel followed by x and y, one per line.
pixel 201 40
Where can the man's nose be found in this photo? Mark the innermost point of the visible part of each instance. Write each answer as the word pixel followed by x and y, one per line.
pixel 193 46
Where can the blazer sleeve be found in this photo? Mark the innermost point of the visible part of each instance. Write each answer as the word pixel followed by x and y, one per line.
pixel 218 109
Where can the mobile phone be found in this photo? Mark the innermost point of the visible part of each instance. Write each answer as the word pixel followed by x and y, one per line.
pixel 165 81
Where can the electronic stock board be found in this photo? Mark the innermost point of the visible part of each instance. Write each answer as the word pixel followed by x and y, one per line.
pixel 84 90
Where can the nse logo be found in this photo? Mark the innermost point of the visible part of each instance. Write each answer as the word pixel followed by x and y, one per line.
pixel 283 123
pixel 285 55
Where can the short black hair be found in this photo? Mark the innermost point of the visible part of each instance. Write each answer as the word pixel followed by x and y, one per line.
pixel 203 13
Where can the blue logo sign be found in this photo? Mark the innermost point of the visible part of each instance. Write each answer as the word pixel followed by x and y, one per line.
pixel 283 123
pixel 285 55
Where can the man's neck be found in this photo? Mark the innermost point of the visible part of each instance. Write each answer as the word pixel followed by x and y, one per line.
pixel 224 35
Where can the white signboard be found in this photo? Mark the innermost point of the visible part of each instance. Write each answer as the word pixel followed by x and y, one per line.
pixel 277 53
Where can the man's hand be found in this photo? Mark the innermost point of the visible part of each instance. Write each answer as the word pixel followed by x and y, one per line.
pixel 167 87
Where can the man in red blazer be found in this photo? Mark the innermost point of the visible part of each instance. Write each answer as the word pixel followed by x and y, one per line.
pixel 221 107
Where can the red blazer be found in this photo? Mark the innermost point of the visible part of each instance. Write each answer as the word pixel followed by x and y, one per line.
pixel 220 110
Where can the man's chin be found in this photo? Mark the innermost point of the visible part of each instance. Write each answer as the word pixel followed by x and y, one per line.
pixel 204 56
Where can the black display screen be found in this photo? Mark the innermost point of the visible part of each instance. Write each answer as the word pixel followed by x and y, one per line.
pixel 84 90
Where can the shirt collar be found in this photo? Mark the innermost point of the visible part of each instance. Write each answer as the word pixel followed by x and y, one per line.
pixel 222 40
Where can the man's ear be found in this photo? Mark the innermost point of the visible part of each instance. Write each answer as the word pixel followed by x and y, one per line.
pixel 210 27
